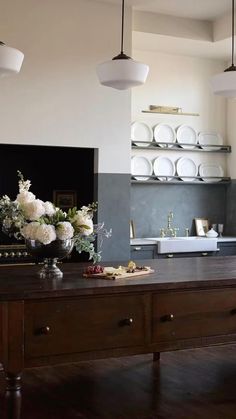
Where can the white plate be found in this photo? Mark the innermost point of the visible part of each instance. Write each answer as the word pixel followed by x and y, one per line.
pixel 162 166
pixel 186 134
pixel 186 167
pixel 164 133
pixel 141 132
pixel 206 170
pixel 141 166
pixel 209 138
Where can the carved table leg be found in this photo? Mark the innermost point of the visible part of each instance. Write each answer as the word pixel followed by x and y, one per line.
pixel 156 356
pixel 13 396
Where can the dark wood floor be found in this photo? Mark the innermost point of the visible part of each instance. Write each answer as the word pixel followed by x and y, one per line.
pixel 193 384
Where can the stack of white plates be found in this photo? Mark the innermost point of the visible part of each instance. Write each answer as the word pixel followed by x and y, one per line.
pixel 186 167
pixel 140 131
pixel 208 138
pixel 207 171
pixel 162 166
pixel 164 133
pixel 141 168
pixel 187 135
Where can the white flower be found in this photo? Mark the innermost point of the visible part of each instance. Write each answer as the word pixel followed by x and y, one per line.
pixel 5 200
pixel 24 185
pixel 24 197
pixel 46 233
pixel 33 210
pixel 64 230
pixel 49 208
pixel 82 223
pixel 7 222
pixel 29 230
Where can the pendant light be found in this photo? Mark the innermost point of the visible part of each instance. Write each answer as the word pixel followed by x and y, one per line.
pixel 224 84
pixel 10 60
pixel 122 72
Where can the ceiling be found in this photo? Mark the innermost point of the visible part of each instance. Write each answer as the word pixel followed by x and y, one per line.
pixel 196 9
pixel 180 46
pixel 206 10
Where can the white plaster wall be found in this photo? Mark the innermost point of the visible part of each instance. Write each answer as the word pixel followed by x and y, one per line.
pixel 57 99
pixel 183 81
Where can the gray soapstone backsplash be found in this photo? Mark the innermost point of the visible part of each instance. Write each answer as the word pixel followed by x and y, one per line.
pixel 112 191
pixel 231 209
pixel 150 205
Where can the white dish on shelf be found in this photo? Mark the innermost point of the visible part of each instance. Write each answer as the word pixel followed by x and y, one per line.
pixel 208 138
pixel 186 167
pixel 141 166
pixel 211 172
pixel 186 134
pixel 163 166
pixel 140 131
pixel 164 133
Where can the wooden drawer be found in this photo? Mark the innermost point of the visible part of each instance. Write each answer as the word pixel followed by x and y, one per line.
pixel 84 324
pixel 193 314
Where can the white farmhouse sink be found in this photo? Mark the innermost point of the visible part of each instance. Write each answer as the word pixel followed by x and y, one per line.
pixel 185 244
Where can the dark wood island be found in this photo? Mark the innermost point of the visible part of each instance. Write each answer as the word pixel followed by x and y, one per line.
pixel 185 303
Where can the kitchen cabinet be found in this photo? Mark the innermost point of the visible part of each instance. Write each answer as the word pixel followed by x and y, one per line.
pixel 227 248
pixel 185 255
pixel 143 252
pixel 148 251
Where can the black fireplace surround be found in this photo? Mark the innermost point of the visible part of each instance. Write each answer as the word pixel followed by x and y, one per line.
pixel 55 172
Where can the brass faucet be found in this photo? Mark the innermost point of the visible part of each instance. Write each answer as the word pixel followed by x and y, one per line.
pixel 169 231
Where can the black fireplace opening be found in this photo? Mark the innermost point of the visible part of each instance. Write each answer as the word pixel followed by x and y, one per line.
pixel 63 175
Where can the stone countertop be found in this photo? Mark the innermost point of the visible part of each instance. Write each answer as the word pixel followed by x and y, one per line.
pixel 144 241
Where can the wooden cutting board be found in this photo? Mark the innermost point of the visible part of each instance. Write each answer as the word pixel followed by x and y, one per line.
pixel 121 276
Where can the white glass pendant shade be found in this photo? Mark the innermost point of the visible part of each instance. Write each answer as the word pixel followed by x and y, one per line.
pixel 122 74
pixel 224 84
pixel 11 60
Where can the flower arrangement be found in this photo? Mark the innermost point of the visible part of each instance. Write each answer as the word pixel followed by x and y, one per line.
pixel 32 219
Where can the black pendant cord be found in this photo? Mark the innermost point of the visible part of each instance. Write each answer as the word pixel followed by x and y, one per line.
pixel 232 33
pixel 122 27
pixel 121 55
pixel 232 67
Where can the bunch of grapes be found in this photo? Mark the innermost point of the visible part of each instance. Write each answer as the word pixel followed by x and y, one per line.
pixel 94 269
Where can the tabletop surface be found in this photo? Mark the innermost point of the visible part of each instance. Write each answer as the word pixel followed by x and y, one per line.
pixel 21 282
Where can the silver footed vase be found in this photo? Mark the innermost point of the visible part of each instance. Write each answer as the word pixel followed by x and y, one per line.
pixel 50 254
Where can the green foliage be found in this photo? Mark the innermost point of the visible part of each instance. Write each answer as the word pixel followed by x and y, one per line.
pixel 85 244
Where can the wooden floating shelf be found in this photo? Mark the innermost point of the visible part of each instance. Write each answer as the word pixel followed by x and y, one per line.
pixel 172 113
pixel 151 145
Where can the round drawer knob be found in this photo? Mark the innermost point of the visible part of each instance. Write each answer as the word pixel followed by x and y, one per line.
pixel 126 322
pixel 12 254
pixel 5 254
pixel 167 318
pixel 44 330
